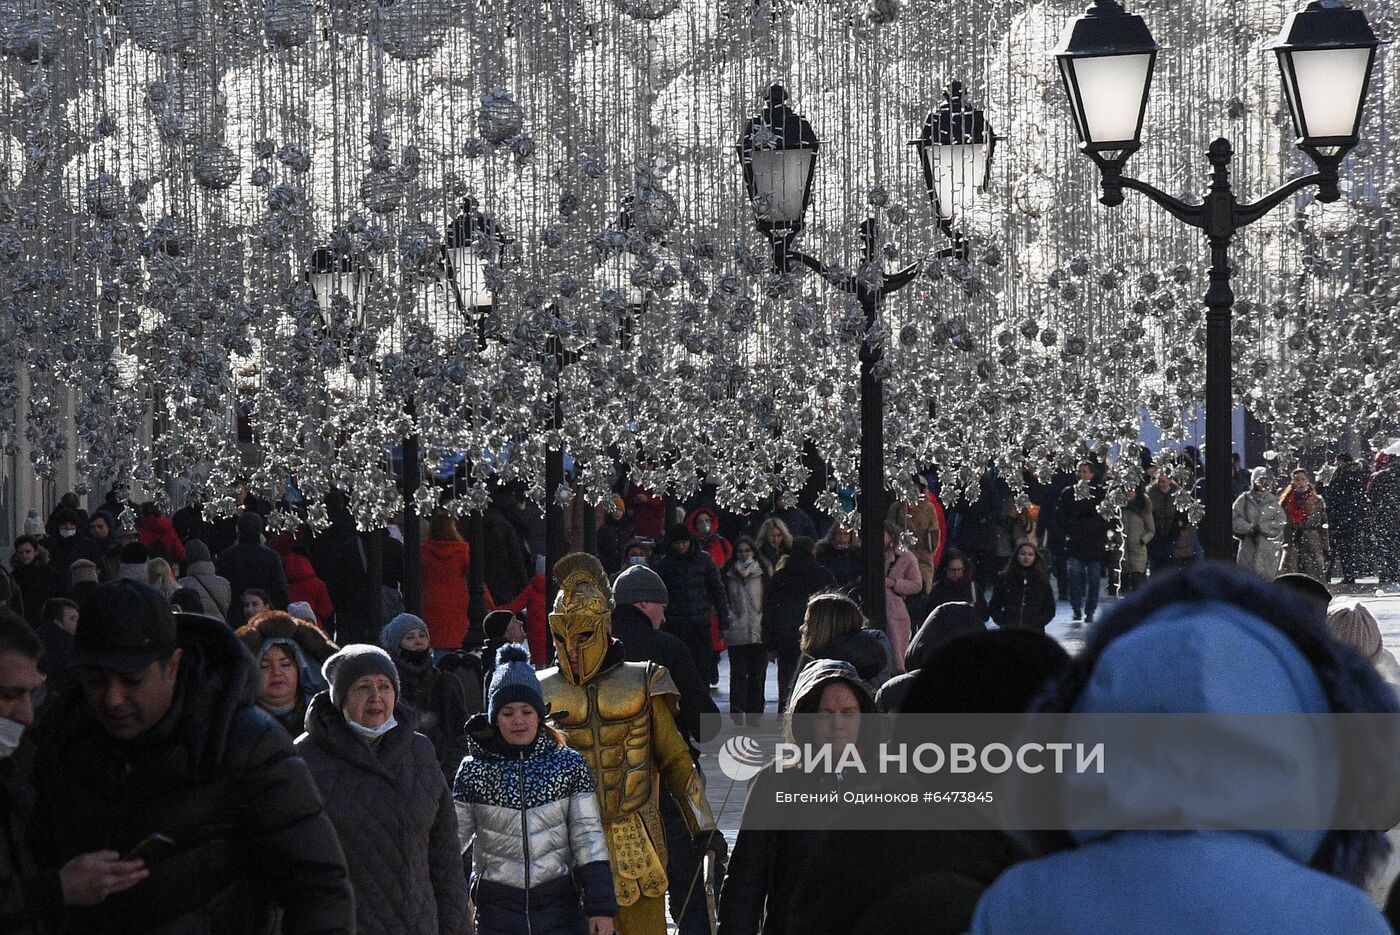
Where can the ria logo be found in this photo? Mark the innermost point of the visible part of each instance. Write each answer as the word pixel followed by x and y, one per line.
pixel 741 758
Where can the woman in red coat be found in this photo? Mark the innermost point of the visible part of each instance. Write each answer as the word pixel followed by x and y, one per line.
pixel 533 602
pixel 303 585
pixel 157 534
pixel 446 560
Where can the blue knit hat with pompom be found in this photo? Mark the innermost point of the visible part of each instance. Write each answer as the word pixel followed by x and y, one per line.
pixel 514 680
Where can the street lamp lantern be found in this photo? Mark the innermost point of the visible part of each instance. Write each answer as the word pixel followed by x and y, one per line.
pixel 1325 53
pixel 1106 56
pixel 778 152
pixel 473 241
pixel 956 151
pixel 331 273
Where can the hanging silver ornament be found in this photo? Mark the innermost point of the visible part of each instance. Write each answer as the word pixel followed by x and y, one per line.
pixel 215 167
pixel 500 117
pixel 289 24
pixel 164 26
pixel 105 197
pixel 382 191
pixel 411 29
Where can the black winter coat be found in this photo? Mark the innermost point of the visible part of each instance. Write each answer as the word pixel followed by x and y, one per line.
pixel 441 705
pixel 641 643
pixel 219 777
pixel 785 601
pixel 503 556
pixel 694 588
pixel 866 649
pixel 1085 531
pixel 251 565
pixel 28 896
pixel 1022 600
pixel 845 565
pixel 394 814
pixel 1346 499
pixel 37 583
pixel 64 552
pixel 899 881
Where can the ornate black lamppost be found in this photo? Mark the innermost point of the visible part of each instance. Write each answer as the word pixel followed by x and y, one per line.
pixel 1325 52
pixel 778 152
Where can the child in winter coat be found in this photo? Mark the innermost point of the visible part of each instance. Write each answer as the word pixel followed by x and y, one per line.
pixel 527 806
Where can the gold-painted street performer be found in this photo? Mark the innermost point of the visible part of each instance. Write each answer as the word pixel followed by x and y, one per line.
pixel 622 717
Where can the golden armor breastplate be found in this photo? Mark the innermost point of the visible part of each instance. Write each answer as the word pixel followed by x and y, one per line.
pixel 609 721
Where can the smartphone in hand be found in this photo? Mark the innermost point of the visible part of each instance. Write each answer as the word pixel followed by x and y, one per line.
pixel 152 849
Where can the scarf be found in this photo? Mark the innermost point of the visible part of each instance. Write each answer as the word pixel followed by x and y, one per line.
pixel 1297 504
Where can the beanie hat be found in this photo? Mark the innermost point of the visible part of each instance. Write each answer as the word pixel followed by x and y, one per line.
pixel 299 609
pixel 495 624
pixel 133 561
pixel 679 533
pixel 395 630
pixel 639 583
pixel 82 570
pixel 353 662
pixel 514 680
pixel 1352 624
pixel 196 551
pixel 33 525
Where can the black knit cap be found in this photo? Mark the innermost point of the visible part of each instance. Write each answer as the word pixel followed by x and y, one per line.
pixel 123 626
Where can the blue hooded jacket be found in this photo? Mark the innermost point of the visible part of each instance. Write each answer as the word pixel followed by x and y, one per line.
pixel 1202 655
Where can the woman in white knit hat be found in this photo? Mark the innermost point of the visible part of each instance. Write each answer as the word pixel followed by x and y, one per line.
pixel 1351 623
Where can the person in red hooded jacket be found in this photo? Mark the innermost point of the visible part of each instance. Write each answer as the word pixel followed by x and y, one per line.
pixel 446 560
pixel 157 534
pixel 303 585
pixel 534 602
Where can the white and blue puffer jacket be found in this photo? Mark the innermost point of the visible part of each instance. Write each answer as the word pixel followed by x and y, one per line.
pixel 531 817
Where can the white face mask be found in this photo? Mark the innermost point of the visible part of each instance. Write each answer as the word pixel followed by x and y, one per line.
pixel 68 532
pixel 703 524
pixel 747 563
pixel 637 560
pixel 372 732
pixel 10 734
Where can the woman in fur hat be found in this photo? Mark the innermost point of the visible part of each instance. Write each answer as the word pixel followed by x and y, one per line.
pixel 289 654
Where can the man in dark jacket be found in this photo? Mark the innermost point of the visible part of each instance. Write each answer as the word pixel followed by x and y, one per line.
pixel 1086 539
pixel 162 736
pixel 641 599
pixel 250 564
pixel 695 590
pixel 1347 517
pixel 504 550
pixel 29 897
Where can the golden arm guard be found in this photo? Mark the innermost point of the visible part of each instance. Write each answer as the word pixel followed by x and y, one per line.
pixel 677 769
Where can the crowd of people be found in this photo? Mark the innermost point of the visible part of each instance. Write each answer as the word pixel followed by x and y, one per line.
pixel 189 741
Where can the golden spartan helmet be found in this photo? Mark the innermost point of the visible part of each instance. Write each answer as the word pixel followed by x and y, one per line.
pixel 581 622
